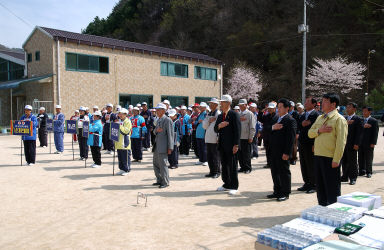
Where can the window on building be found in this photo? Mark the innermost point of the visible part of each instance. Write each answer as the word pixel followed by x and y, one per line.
pixel 88 63
pixel 175 100
pixel 37 56
pixel 199 99
pixel 29 57
pixel 126 100
pixel 173 69
pixel 203 73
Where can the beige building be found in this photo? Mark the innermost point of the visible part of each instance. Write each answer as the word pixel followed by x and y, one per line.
pixel 76 70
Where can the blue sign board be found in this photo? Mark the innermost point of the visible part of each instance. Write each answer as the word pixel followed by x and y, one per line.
pixel 22 128
pixel 115 131
pixel 70 126
pixel 85 129
pixel 49 125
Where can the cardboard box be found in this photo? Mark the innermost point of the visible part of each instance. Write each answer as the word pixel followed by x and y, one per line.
pixel 360 199
pixel 348 208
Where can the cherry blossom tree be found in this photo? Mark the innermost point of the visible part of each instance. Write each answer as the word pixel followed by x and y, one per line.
pixel 244 82
pixel 335 75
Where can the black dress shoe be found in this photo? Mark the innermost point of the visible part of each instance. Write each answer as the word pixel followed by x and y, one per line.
pixel 216 176
pixel 209 175
pixel 266 166
pixel 293 162
pixel 156 184
pixel 344 179
pixel 353 182
pixel 163 186
pixel 369 175
pixel 303 188
pixel 311 191
pixel 283 198
pixel 361 174
pixel 272 196
pixel 241 170
pixel 247 171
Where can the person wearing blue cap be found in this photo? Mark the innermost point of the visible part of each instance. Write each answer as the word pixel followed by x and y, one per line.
pixel 30 141
pixel 58 130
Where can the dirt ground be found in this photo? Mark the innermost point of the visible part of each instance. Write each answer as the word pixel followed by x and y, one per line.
pixel 60 204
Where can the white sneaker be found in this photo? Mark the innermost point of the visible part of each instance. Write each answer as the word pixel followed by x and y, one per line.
pixel 44 146
pixel 254 158
pixel 57 152
pixel 120 172
pixel 124 174
pixel 198 163
pixel 232 191
pixel 205 163
pixel 220 189
pixel 31 164
pixel 96 166
pixel 27 164
pixel 110 152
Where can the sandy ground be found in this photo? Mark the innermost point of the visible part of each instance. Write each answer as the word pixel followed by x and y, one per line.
pixel 59 204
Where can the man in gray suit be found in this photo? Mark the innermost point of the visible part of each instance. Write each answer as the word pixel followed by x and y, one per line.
pixel 163 146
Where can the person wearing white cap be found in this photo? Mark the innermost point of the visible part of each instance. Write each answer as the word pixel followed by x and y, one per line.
pixel 228 127
pixel 237 109
pixel 95 139
pixel 147 115
pixel 123 146
pixel 211 139
pixel 248 130
pixel 268 119
pixel 167 103
pixel 43 133
pixel 118 108
pixel 173 158
pixel 259 127
pixel 58 130
pixel 200 136
pixel 95 108
pixel 82 140
pixel 107 119
pixel 30 141
pixel 186 129
pixel 138 132
pixel 295 115
pixel 163 147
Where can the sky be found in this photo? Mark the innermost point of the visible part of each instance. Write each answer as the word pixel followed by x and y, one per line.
pixel 69 15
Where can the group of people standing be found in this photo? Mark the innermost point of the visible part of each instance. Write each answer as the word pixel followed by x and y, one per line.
pixel 223 139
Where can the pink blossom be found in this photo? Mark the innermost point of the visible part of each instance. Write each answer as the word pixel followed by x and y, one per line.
pixel 245 82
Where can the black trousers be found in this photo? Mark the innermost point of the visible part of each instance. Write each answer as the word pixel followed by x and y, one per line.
pixel 153 138
pixel 229 170
pixel 147 140
pixel 213 158
pixel 365 159
pixel 83 146
pixel 194 143
pixel 96 155
pixel 201 149
pixel 137 154
pixel 307 165
pixel 281 175
pixel 185 145
pixel 349 163
pixel 43 137
pixel 267 152
pixel 124 157
pixel 244 155
pixel 328 184
pixel 109 144
pixel 30 151
pixel 173 158
pixel 255 149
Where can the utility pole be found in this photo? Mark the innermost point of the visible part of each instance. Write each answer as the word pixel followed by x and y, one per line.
pixel 303 28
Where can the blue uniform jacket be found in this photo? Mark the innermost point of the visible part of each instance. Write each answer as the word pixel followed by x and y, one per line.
pixel 200 131
pixel 138 126
pixel 95 133
pixel 58 124
pixel 35 123
pixel 90 117
pixel 177 129
pixel 186 127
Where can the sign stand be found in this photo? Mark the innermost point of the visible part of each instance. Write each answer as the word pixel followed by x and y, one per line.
pixel 21 151
pixel 114 136
pixel 113 170
pixel 49 142
pixel 85 163
pixel 73 151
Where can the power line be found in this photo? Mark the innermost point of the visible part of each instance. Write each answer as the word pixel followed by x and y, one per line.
pixel 21 19
pixel 374 3
pixel 348 34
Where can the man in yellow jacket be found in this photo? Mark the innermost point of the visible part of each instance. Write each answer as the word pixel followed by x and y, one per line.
pixel 330 132
pixel 123 146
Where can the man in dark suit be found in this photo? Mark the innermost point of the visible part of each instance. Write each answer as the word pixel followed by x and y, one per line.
pixel 295 115
pixel 368 143
pixel 268 119
pixel 355 130
pixel 228 127
pixel 306 145
pixel 282 139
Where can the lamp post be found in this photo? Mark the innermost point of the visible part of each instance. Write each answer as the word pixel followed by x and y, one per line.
pixel 369 57
pixel 303 28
